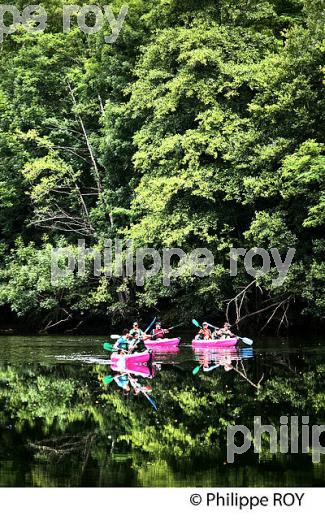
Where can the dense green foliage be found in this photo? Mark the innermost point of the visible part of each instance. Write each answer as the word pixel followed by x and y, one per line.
pixel 201 126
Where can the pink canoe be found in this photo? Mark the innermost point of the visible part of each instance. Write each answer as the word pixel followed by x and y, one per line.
pixel 166 344
pixel 214 343
pixel 129 360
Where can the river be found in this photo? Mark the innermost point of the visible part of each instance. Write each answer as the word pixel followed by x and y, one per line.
pixel 61 426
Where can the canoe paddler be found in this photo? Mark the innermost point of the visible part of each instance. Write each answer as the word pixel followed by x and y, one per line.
pixel 226 363
pixel 158 332
pixel 122 380
pixel 205 333
pixel 123 342
pixel 136 344
pixel 136 328
pixel 225 332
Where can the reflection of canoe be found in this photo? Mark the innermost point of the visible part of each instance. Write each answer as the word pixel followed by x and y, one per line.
pixel 214 343
pixel 216 351
pixel 166 344
pixel 216 355
pixel 246 353
pixel 129 360
pixel 219 355
pixel 136 370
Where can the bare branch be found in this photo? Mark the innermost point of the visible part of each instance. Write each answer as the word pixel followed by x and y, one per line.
pixel 51 325
pixel 102 110
pixel 90 149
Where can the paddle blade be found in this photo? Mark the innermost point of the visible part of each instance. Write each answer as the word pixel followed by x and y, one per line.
pixel 176 326
pixel 108 346
pixel 115 336
pixel 196 370
pixel 108 379
pixel 247 341
pixel 152 402
pixel 196 323
pixel 209 369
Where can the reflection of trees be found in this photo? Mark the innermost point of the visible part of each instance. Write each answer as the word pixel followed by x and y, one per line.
pixel 62 427
pixel 57 448
pixel 44 397
pixel 241 370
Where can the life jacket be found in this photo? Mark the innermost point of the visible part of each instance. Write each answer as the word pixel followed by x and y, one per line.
pixel 123 343
pixel 122 381
pixel 205 334
pixel 138 345
pixel 139 331
pixel 158 333
pixel 225 333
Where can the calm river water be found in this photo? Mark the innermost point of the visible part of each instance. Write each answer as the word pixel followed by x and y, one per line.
pixel 61 426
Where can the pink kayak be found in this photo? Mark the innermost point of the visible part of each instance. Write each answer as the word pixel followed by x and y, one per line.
pixel 129 360
pixel 166 344
pixel 214 343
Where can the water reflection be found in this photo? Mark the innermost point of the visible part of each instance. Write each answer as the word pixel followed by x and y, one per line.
pixel 132 380
pixel 61 426
pixel 225 358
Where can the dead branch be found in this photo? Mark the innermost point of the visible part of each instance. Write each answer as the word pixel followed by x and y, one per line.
pixel 62 221
pixel 89 146
pixel 66 446
pixel 284 317
pixel 69 331
pixel 101 104
pixel 234 300
pixel 239 299
pixel 243 374
pixel 274 312
pixel 51 325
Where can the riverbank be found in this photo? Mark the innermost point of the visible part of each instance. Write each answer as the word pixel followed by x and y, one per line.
pixel 96 325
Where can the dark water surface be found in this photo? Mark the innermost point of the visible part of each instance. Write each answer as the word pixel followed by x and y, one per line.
pixel 61 426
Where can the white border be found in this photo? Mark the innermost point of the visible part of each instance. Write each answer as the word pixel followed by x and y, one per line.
pixel 146 504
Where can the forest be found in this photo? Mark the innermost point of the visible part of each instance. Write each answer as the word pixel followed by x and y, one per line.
pixel 201 126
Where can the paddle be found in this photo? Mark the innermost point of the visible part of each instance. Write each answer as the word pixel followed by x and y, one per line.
pixel 196 370
pixel 154 337
pixel 196 323
pixel 247 341
pixel 151 401
pixel 209 369
pixel 108 379
pixel 135 384
pixel 109 347
pixel 151 325
pixel 175 326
